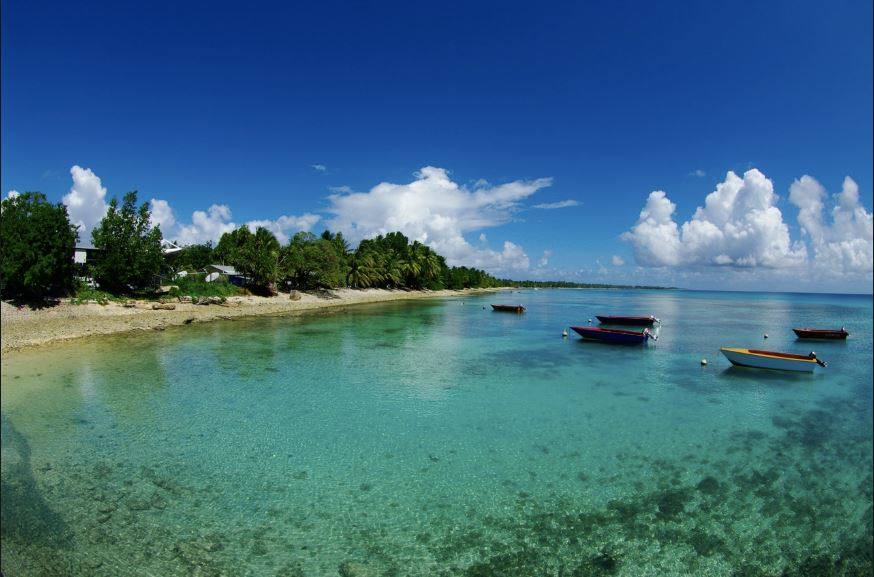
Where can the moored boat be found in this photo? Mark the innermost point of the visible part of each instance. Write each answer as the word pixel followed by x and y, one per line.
pixel 624 320
pixel 827 334
pixel 616 336
pixel 772 360
pixel 509 308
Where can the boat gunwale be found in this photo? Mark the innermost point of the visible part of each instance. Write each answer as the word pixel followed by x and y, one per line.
pixel 616 331
pixel 508 308
pixel 838 333
pixel 769 354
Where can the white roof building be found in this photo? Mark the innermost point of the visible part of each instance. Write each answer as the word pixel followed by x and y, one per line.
pixel 223 269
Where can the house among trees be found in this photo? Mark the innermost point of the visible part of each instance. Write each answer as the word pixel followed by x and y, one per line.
pixel 220 271
pixel 84 255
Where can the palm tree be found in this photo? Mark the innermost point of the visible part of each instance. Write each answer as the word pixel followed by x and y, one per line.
pixel 361 271
pixel 411 264
pixel 393 271
pixel 432 266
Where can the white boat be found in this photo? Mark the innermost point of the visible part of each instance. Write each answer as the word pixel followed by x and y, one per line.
pixel 772 360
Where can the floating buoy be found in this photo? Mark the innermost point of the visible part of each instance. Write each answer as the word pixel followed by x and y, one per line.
pixel 590 320
pixel 766 335
pixel 564 333
pixel 703 362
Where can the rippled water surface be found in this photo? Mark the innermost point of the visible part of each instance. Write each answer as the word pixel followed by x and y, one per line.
pixel 441 438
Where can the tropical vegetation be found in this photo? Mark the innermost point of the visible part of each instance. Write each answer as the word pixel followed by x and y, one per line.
pixel 130 247
pixel 37 243
pixel 310 262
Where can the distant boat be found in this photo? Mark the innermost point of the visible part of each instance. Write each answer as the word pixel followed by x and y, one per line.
pixel 633 321
pixel 772 360
pixel 829 334
pixel 614 335
pixel 509 308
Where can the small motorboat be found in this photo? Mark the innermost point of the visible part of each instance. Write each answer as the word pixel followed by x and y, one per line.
pixel 632 321
pixel 616 336
pixel 772 360
pixel 509 308
pixel 827 334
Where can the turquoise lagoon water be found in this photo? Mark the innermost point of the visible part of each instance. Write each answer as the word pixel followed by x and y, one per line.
pixel 440 438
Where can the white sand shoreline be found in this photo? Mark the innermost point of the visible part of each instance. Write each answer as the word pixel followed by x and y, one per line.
pixel 26 328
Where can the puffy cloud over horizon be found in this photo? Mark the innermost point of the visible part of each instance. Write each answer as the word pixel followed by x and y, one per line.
pixel 845 246
pixel 741 227
pixel 86 201
pixel 438 212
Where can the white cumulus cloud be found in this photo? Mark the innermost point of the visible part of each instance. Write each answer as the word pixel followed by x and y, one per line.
pixel 161 215
pixel 86 205
pixel 739 225
pixel 438 212
pixel 617 260
pixel 284 227
pixel 845 244
pixel 86 201
pixel 211 224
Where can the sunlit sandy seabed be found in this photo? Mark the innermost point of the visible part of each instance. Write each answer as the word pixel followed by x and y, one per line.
pixel 440 438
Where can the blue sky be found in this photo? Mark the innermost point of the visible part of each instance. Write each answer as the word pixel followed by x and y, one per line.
pixel 232 104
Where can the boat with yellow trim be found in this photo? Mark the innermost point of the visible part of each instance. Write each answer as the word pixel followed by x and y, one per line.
pixel 772 360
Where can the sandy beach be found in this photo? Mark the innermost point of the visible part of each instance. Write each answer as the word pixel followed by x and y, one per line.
pixel 24 327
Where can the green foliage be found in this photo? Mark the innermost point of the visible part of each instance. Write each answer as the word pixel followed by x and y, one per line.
pixel 309 262
pixel 195 257
pixel 85 293
pixel 391 261
pixel 462 277
pixel 194 286
pixel 259 260
pixel 255 256
pixel 37 243
pixel 229 249
pixel 131 256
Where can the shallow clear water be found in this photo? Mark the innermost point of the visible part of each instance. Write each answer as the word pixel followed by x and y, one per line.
pixel 441 438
